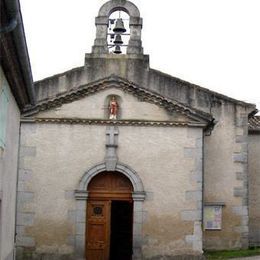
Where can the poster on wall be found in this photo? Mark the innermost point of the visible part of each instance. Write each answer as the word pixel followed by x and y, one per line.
pixel 212 217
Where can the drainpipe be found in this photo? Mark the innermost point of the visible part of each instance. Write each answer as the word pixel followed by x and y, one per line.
pixel 202 202
pixel 10 27
pixel 16 27
pixel 17 181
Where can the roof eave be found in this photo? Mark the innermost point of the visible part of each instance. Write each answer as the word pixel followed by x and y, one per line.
pixel 24 94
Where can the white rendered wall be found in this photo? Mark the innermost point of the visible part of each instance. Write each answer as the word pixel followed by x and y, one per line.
pixel 8 176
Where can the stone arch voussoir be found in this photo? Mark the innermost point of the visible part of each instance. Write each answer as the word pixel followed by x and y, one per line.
pixel 81 196
pixel 122 168
pixel 114 5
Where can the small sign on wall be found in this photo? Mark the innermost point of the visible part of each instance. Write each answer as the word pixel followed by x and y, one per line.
pixel 212 217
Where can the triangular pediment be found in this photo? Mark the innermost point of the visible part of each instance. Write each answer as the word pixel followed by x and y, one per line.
pixel 90 102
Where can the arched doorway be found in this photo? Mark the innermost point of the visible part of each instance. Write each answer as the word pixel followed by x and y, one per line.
pixel 109 227
pixel 82 195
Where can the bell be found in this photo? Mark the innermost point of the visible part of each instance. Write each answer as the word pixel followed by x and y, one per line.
pixel 118 40
pixel 119 27
pixel 117 50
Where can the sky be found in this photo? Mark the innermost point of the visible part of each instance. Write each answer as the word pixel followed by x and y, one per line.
pixel 211 43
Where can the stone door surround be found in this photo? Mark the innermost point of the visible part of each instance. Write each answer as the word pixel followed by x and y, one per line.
pixel 81 196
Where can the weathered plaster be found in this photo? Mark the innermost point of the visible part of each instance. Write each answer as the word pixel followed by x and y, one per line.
pixel 226 177
pixel 168 183
pixel 54 176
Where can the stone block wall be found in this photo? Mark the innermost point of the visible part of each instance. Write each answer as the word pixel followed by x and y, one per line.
pixel 226 177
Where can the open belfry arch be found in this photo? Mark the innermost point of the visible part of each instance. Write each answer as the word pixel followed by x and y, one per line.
pixel 117 142
pixel 102 23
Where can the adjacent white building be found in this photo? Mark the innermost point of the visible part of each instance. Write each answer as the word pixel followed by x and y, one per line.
pixel 16 93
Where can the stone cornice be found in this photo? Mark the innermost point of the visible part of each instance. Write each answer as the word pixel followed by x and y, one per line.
pixel 126 86
pixel 82 121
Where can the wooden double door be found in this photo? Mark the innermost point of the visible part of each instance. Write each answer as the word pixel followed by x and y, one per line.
pixel 109 228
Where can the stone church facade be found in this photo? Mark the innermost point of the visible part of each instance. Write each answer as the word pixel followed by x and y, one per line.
pixel 117 142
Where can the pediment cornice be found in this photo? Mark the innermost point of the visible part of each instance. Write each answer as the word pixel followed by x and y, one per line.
pixel 126 86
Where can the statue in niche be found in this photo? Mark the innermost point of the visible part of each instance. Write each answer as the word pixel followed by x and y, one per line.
pixel 113 108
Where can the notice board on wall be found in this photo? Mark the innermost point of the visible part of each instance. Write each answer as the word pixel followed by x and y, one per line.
pixel 212 217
